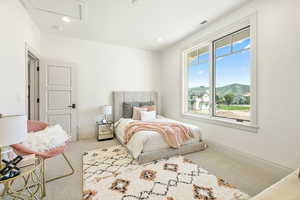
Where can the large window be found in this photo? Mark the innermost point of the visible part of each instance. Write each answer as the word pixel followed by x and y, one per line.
pixel 217 78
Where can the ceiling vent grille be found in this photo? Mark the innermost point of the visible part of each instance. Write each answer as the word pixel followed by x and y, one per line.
pixel 78 8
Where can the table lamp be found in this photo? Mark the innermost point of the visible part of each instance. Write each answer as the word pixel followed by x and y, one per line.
pixel 106 110
pixel 13 130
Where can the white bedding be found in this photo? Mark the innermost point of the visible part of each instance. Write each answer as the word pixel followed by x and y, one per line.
pixel 146 141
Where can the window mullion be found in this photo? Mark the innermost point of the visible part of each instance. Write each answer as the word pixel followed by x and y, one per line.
pixel 198 56
pixel 185 83
pixel 211 80
pixel 231 45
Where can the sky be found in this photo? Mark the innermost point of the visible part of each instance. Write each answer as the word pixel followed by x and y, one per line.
pixel 229 69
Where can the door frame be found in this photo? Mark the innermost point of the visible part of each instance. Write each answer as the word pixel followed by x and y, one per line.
pixel 30 50
pixel 44 94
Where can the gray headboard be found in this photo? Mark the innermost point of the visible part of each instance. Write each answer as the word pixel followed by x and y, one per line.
pixel 120 97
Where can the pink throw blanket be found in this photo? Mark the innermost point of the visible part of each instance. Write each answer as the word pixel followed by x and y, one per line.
pixel 173 133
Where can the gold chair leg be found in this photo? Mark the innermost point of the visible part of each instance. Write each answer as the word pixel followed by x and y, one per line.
pixel 63 176
pixel 44 180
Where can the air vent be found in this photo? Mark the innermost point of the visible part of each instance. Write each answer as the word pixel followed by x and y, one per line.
pixel 74 9
pixel 203 22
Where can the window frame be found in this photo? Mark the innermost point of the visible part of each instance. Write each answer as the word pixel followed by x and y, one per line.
pixel 251 126
pixel 213 52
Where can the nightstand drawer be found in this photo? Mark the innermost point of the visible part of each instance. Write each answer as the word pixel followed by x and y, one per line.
pixel 105 136
pixel 105 131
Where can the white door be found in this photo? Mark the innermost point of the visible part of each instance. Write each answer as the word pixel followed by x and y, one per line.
pixel 59 102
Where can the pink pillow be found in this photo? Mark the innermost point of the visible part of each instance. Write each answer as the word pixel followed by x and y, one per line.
pixel 34 126
pixel 150 108
pixel 137 112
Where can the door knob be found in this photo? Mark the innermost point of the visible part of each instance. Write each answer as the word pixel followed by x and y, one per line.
pixel 72 106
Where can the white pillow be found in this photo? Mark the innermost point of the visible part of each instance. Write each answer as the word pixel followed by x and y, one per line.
pixel 137 112
pixel 148 116
pixel 47 139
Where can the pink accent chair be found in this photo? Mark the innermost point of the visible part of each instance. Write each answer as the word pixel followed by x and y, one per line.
pixel 32 127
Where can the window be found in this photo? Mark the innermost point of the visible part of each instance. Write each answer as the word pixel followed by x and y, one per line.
pixel 198 81
pixel 232 76
pixel 217 78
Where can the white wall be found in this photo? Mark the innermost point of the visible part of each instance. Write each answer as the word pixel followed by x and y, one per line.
pixel 278 50
pixel 16 29
pixel 102 68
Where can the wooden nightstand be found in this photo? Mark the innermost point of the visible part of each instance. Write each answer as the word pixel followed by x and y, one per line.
pixel 105 131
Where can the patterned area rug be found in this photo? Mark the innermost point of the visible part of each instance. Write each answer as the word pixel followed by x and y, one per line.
pixel 112 174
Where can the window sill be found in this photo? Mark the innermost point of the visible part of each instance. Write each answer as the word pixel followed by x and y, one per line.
pixel 245 126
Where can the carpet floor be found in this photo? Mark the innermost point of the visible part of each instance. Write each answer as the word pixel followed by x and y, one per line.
pixel 248 178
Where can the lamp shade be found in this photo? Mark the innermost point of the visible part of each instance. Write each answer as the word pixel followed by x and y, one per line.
pixel 106 110
pixel 13 129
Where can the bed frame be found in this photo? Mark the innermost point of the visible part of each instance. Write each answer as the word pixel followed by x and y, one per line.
pixel 119 97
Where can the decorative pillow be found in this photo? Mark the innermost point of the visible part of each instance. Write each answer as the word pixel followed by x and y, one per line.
pixel 150 108
pixel 47 139
pixel 148 103
pixel 137 112
pixel 128 108
pixel 148 116
pixel 33 125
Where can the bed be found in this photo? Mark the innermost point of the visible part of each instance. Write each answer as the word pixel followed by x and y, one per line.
pixel 147 146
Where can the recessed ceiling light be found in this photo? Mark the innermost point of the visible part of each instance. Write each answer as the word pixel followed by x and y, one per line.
pixel 66 19
pixel 160 39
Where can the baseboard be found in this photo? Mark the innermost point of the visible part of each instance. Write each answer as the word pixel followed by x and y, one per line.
pixel 250 158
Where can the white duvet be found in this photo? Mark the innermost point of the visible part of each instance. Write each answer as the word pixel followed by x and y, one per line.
pixel 147 141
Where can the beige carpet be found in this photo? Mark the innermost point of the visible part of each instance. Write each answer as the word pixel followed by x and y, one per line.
pixel 248 178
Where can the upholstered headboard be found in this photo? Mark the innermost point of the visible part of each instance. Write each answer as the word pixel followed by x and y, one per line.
pixel 120 97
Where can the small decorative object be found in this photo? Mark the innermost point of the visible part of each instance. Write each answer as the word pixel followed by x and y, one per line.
pixel 106 110
pixel 10 170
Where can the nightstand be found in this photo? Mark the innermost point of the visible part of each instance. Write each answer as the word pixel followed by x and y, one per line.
pixel 105 131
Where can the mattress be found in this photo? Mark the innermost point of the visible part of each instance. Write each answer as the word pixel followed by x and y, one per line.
pixel 147 141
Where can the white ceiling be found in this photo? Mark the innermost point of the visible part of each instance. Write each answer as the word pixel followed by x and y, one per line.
pixel 134 25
